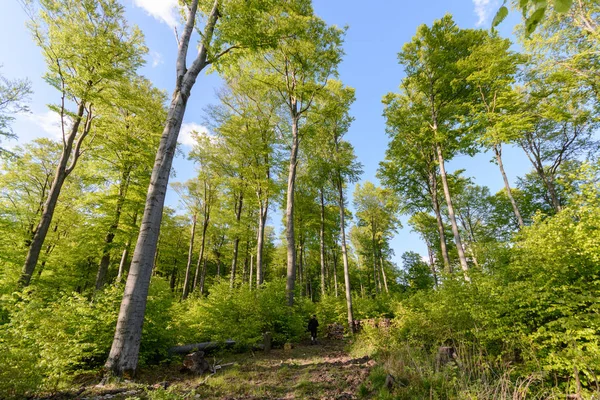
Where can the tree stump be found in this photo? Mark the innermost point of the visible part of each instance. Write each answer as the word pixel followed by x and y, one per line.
pixel 267 340
pixel 196 363
pixel 446 355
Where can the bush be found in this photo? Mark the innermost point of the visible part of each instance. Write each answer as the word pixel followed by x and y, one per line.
pixel 49 342
pixel 240 314
pixel 538 311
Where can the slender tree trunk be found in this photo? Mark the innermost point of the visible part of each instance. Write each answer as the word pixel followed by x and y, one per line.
pixel 335 277
pixel 251 271
pixel 432 264
pixel 112 230
pixel 345 255
pixel 289 211
pixel 457 240
pixel 203 277
pixel 498 151
pixel 322 244
pixel 236 241
pixel 188 266
pixel 173 279
pixel 126 251
pixel 124 352
pixel 440 223
pixel 552 191
pixel 201 255
pixel 385 284
pixel 63 169
pixel 375 275
pixel 262 220
pixel 301 266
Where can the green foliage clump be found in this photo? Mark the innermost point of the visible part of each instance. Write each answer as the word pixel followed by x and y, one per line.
pixel 48 342
pixel 240 314
pixel 538 311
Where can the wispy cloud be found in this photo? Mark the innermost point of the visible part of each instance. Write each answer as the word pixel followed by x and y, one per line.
pixel 163 10
pixel 156 58
pixel 185 135
pixel 484 9
pixel 49 121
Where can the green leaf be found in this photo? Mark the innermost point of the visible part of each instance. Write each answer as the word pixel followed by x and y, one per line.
pixel 534 20
pixel 500 15
pixel 562 6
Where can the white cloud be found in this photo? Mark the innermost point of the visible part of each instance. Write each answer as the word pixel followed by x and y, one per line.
pixel 49 121
pixel 484 10
pixel 157 58
pixel 163 10
pixel 185 134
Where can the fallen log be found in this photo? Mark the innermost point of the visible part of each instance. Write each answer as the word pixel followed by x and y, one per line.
pixel 204 346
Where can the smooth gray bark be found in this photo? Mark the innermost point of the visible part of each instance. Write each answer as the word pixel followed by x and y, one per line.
pixel 385 284
pixel 457 240
pixel 188 266
pixel 262 221
pixel 201 257
pixel 322 243
pixel 71 151
pixel 345 256
pixel 498 152
pixel 125 255
pixel 123 357
pixel 440 223
pixel 236 242
pixel 289 211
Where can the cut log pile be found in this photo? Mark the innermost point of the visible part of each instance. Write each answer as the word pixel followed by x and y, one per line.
pixel 195 363
pixel 334 331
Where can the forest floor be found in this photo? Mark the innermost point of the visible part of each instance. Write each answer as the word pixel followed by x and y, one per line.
pixel 322 371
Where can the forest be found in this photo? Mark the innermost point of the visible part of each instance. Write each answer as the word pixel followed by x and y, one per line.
pixel 102 273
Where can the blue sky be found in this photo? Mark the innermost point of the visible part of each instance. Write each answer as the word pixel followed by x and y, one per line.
pixel 377 31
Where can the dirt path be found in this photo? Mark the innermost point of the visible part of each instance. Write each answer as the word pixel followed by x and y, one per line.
pixel 323 371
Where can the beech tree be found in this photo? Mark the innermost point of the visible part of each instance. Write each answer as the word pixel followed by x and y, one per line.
pixel 297 70
pixel 410 167
pixel 435 68
pixel 500 110
pixel 376 209
pixel 226 26
pixel 88 48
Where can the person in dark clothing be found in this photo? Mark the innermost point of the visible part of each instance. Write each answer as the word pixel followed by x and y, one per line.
pixel 312 328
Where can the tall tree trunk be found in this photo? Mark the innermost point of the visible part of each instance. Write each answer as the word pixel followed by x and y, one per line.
pixel 236 241
pixel 203 277
pixel 124 351
pixel 498 151
pixel 385 284
pixel 440 223
pixel 112 230
pixel 173 279
pixel 63 169
pixel 188 266
pixel 201 255
pixel 125 255
pixel 322 243
pixel 335 277
pixel 345 255
pixel 262 221
pixel 301 266
pixel 251 271
pixel 375 275
pixel 289 211
pixel 432 264
pixel 457 240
